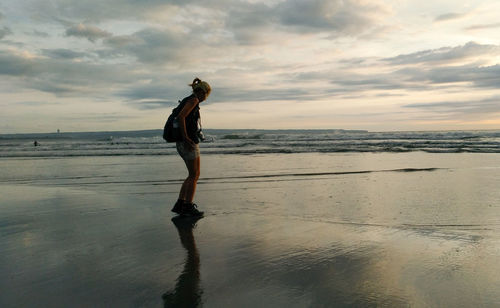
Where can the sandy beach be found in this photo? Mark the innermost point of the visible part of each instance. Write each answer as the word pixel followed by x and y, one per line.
pixel 280 230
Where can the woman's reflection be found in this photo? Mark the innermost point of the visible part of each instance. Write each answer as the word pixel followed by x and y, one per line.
pixel 187 292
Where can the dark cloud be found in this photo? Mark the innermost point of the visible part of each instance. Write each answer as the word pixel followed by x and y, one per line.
pixel 460 108
pixel 245 22
pixel 152 46
pixel 40 33
pixel 96 11
pixel 348 17
pixel 119 41
pixel 4 31
pixel 445 54
pixel 349 82
pixel 65 77
pixel 435 68
pixel 250 22
pixel 422 79
pixel 62 53
pixel 86 31
pixel 484 26
pixel 482 77
pixel 449 16
pixel 13 65
pixel 57 88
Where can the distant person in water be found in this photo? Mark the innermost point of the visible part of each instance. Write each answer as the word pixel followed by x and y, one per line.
pixel 36 143
pixel 188 123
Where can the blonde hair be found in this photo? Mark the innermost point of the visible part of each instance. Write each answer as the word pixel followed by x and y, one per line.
pixel 198 84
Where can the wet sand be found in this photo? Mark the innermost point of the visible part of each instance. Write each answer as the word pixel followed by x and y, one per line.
pixel 299 230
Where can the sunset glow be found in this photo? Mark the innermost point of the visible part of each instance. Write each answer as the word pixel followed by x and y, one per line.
pixel 355 64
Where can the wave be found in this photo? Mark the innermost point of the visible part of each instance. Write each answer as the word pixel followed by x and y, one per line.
pixel 244 137
pixel 257 142
pixel 61 154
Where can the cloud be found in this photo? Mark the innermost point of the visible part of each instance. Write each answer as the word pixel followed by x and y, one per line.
pixel 89 32
pixel 165 94
pixel 96 11
pixel 247 23
pixel 450 16
pixel 446 54
pixel 151 45
pixel 482 77
pixel 98 117
pixel 16 65
pixel 62 53
pixel 119 41
pixel 156 47
pixel 35 103
pixel 422 70
pixel 50 74
pixel 347 17
pixel 250 22
pixel 415 79
pixel 484 26
pixel 4 32
pixel 260 94
pixel 389 81
pixel 40 33
pixel 219 22
pixel 159 104
pixel 152 91
pixel 467 108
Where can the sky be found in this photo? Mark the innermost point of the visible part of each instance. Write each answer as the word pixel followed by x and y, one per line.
pixel 376 65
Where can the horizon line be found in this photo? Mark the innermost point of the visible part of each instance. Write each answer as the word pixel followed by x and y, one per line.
pixel 247 129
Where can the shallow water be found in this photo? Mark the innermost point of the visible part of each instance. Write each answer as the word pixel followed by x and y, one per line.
pixel 298 230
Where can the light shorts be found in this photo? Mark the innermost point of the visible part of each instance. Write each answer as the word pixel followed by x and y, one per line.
pixel 187 154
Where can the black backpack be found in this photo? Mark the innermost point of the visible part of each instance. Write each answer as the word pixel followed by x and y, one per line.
pixel 173 134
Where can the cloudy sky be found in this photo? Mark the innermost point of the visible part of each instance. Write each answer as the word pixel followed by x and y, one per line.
pixel 353 64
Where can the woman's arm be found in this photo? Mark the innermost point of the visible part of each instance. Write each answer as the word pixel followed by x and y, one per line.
pixel 181 118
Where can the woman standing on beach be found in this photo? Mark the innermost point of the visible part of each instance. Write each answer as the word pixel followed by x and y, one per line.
pixel 188 123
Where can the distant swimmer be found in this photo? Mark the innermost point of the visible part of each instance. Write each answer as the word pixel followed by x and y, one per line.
pixel 36 143
pixel 187 121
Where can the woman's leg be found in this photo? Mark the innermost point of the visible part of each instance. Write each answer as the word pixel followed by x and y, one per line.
pixel 188 188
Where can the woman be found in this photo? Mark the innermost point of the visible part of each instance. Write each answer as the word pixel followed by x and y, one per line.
pixel 188 149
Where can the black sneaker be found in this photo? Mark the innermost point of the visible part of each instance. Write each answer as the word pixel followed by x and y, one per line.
pixel 191 210
pixel 177 207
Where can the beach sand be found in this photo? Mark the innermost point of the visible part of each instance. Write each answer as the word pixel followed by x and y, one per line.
pixel 280 230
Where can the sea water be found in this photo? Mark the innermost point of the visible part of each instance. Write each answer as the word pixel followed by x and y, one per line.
pixel 150 142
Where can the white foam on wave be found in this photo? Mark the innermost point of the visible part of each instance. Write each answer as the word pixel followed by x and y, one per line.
pixel 250 142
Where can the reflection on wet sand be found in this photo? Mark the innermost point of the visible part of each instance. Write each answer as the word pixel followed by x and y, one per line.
pixel 187 292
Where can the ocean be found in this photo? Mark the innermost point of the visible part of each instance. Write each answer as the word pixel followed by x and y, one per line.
pixel 150 142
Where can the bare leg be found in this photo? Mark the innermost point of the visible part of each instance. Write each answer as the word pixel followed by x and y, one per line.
pixel 188 188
